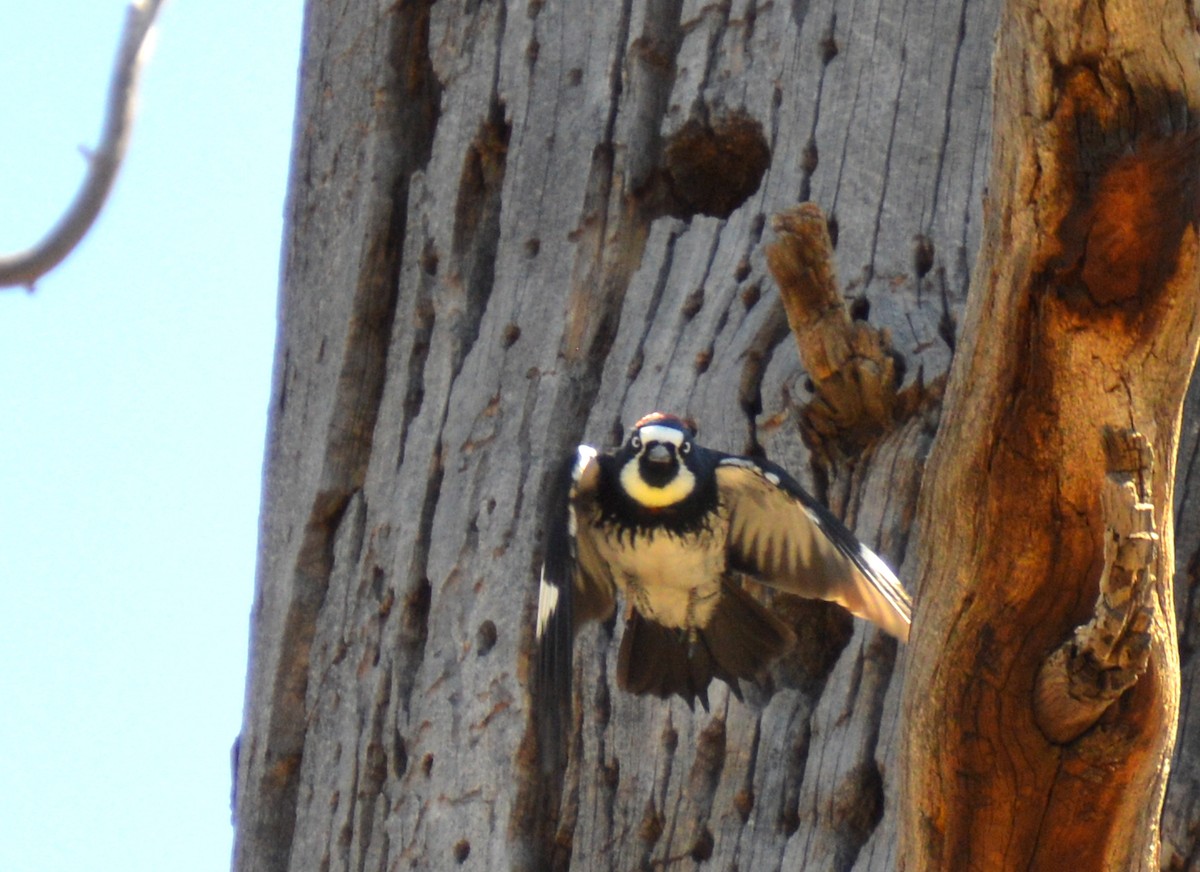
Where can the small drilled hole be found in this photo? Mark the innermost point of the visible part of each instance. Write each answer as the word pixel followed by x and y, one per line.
pixel 462 850
pixel 922 255
pixel 485 638
pixel 693 304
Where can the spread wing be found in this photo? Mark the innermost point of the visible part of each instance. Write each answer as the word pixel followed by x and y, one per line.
pixel 783 537
pixel 574 588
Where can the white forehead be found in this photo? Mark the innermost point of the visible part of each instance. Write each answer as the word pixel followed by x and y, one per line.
pixel 659 433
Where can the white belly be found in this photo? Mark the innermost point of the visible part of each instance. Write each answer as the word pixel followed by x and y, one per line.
pixel 672 580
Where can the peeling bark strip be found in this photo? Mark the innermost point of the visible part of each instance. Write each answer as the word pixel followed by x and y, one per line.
pixel 851 364
pixel 1107 655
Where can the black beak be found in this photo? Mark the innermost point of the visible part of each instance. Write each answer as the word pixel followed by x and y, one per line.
pixel 659 453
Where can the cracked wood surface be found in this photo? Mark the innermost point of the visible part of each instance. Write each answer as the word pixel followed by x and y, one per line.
pixel 498 245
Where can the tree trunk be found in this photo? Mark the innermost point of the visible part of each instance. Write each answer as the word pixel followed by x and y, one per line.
pixel 1181 812
pixel 512 228
pixel 1083 316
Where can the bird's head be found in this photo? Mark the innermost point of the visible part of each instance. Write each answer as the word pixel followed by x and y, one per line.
pixel 656 471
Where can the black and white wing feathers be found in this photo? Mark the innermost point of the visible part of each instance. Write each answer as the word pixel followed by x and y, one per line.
pixel 783 537
pixel 573 588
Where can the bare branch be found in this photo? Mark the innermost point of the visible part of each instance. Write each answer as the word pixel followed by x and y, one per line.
pixel 1106 656
pixel 850 362
pixel 26 267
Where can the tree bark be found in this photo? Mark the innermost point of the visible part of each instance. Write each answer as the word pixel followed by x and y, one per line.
pixel 1181 811
pixel 1083 316
pixel 515 227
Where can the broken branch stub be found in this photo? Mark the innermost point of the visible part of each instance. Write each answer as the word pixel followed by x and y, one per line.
pixel 850 363
pixel 1106 656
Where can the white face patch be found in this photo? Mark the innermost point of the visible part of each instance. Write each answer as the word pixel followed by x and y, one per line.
pixel 659 433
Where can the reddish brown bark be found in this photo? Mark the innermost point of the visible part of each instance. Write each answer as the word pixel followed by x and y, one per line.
pixel 1083 316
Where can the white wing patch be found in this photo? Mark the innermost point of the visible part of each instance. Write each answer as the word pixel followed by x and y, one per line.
pixel 887 583
pixel 584 455
pixel 547 603
pixel 550 590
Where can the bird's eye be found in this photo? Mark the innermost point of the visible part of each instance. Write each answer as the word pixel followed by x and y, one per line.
pixel 686 448
pixel 636 443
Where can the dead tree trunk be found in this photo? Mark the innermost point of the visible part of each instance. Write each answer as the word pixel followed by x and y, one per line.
pixel 515 227
pixel 1048 499
pixel 1181 812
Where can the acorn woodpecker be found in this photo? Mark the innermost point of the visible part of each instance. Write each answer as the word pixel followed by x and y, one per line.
pixel 670 524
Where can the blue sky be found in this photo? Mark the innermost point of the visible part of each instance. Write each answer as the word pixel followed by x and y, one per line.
pixel 133 396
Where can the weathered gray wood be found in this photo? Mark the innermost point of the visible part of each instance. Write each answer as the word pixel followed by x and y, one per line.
pixel 492 253
pixel 362 127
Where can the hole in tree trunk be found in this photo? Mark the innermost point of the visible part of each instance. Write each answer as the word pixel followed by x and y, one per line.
pixel 712 169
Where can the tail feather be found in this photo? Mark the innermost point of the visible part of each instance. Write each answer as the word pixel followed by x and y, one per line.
pixel 740 640
pixel 743 636
pixel 653 659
